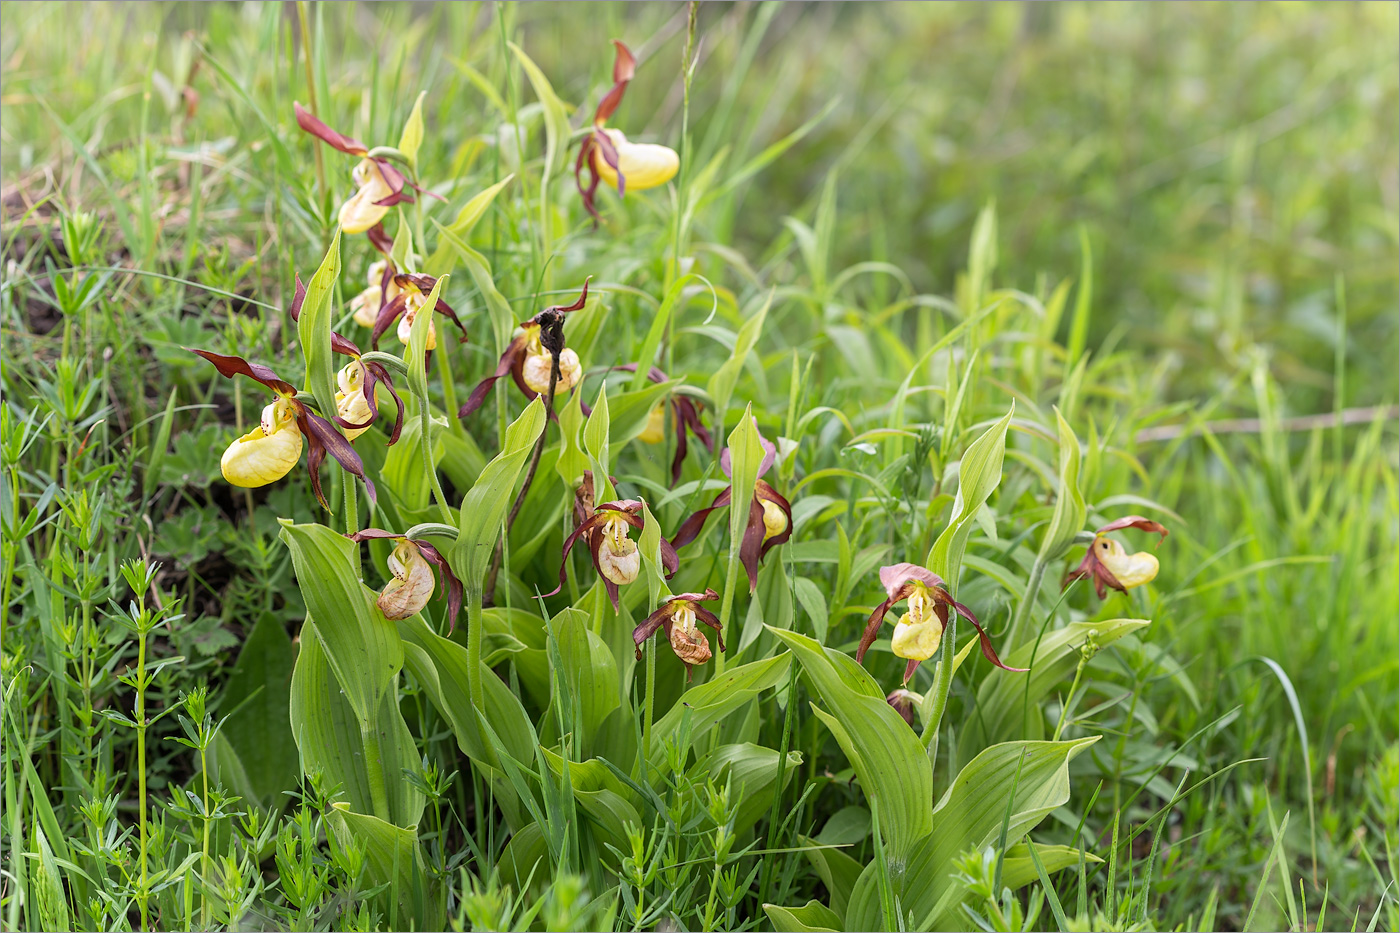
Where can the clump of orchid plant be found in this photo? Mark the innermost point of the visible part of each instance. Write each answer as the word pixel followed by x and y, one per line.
pixel 269 451
pixel 919 630
pixel 1109 565
pixel 607 153
pixel 680 616
pixel 411 578
pixel 770 515
pixel 615 555
pixel 531 358
pixel 378 182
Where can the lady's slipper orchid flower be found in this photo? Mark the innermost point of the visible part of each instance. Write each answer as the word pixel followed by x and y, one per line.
pixel 530 357
pixel 920 630
pixel 679 615
pixel 411 579
pixel 904 702
pixel 770 515
pixel 610 156
pixel 411 295
pixel 380 185
pixel 1107 564
pixel 356 403
pixel 268 452
pixel 615 555
pixel 687 420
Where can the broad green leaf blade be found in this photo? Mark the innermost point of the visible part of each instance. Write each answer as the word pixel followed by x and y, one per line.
pixel 745 457
pixel 751 771
pixel 258 729
pixel 412 136
pixel 979 473
pixel 812 917
pixel 393 859
pixel 314 329
pixel 887 756
pixel 589 673
pixel 362 646
pixel 442 259
pixel 497 307
pixel 572 460
pixel 328 734
pixel 709 703
pixel 838 872
pixel 721 384
pixel 485 505
pixel 556 117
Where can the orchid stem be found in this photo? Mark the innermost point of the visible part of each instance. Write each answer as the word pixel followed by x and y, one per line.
pixel 426 445
pixel 1024 610
pixel 731 580
pixel 1064 709
pixel 352 508
pixel 529 479
pixel 942 685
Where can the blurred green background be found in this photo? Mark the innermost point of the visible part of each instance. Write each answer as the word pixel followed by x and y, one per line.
pixel 1229 162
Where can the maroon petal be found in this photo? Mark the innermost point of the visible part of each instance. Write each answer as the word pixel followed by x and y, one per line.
pixel 454 585
pixel 388 314
pixel 691 527
pixel 315 456
pixel 298 299
pixel 379 239
pixel 609 153
pixel 230 366
pixel 708 617
pixel 1138 522
pixel 315 127
pixel 372 534
pixel 909 670
pixel 872 626
pixel 706 596
pixel 751 546
pixel 380 374
pixel 987 650
pixel 324 433
pixel 594 521
pixel 515 352
pixel 762 491
pixel 670 562
pixel 395 180
pixel 649 626
pixel 586 155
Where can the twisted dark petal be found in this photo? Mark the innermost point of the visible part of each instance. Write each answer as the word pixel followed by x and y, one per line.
pixel 987 650
pixel 649 626
pixel 334 443
pixel 1138 522
pixel 370 534
pixel 763 491
pixel 315 127
pixel 298 299
pixel 751 546
pixel 585 157
pixel 624 64
pixel 230 366
pixel 425 284
pixel 514 353
pixel 565 309
pixel 909 670
pixel 382 375
pixel 708 617
pixel 678 459
pixel 432 194
pixel 454 585
pixel 670 562
pixel 344 345
pixel 691 527
pixel 1090 568
pixel 315 456
pixel 872 627
pixel 707 596
pixel 609 153
pixel 379 239
pixel 388 314
pixel 594 521
pixel 395 180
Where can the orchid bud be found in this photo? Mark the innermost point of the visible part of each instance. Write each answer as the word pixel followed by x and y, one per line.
pixel 655 430
pixel 350 402
pixel 775 520
pixel 916 639
pixel 268 452
pixel 618 557
pixel 904 702
pixel 537 366
pixel 412 585
pixel 643 165
pixel 360 212
pixel 689 643
pixel 1130 569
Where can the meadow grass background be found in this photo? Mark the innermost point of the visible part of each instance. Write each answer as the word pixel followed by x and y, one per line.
pixel 1231 170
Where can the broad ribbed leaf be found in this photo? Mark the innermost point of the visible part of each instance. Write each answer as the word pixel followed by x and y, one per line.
pixel 709 703
pixel 751 771
pixel 485 505
pixel 411 899
pixel 362 646
pixel 258 730
pixel 887 756
pixel 314 329
pixel 328 735
pixel 412 136
pixel 745 457
pixel 589 673
pixel 837 870
pixel 442 258
pixel 812 917
pixel 978 474
pixel 1068 518
pixel 721 384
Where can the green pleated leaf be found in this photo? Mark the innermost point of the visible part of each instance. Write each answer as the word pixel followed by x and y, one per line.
pixel 979 473
pixel 412 136
pixel 721 384
pixel 587 671
pixel 601 797
pixel 328 734
pixel 813 917
pixel 838 872
pixel 485 505
pixel 745 457
pixel 393 858
pixel 572 458
pixel 314 329
pixel 752 772
pixel 556 116
pixel 631 410
pixel 709 703
pixel 887 756
pixel 497 307
pixel 258 732
pixel 443 257
pixel 362 647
